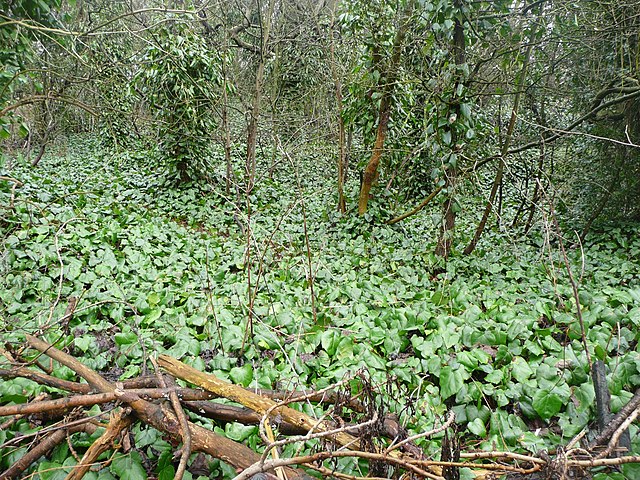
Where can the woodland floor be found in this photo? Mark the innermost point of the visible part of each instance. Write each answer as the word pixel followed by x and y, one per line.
pixel 159 269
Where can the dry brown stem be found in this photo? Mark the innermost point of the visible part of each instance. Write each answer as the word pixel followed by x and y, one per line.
pixel 184 423
pixel 120 420
pixel 44 446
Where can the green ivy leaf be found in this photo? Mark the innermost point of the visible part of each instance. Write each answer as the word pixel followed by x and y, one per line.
pixel 239 432
pixel 451 381
pixel 51 471
pixel 242 375
pixel 165 469
pixel 631 470
pixel 129 467
pixel 477 427
pixel 495 377
pixel 125 338
pixel 546 403
pixel 520 369
pixel 585 395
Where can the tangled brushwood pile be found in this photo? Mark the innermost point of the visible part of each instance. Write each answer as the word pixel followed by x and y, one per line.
pixel 370 434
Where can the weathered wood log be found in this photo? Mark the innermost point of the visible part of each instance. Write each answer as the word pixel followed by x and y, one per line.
pixel 231 413
pixel 254 401
pixel 161 417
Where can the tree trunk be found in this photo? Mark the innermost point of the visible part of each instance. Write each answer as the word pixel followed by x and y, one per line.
pixel 43 148
pixel 536 190
pixel 209 31
pixel 388 82
pixel 252 130
pixel 227 133
pixel 601 204
pixel 342 166
pixel 525 198
pixel 505 148
pixel 48 128
pixel 443 249
pixel 499 209
pixel 371 170
pixel 342 154
pixel 445 239
pixel 541 118
pixel 252 135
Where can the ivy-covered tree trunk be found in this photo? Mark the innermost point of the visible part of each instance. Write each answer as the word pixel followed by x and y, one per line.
pixel 252 129
pixel 342 165
pixel 384 112
pixel 371 170
pixel 445 240
pixel 227 132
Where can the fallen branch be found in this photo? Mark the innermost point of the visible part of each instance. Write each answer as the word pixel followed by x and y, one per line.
pixel 61 405
pixel 252 400
pixel 119 421
pixel 231 413
pixel 618 433
pixel 605 435
pixel 11 179
pixel 161 417
pixel 420 206
pixel 43 447
pixel 602 462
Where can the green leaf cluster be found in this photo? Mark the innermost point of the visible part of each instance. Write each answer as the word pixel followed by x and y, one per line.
pixel 180 77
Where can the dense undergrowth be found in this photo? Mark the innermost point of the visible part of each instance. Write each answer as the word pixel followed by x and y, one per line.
pixel 163 269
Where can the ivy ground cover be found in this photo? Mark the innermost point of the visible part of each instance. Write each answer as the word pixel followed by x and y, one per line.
pixel 289 295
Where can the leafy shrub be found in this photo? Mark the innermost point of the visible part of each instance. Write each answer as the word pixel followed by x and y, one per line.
pixel 181 76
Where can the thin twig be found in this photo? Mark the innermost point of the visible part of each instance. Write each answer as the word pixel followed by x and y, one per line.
pixel 450 419
pixel 182 418
pixel 601 462
pixel 619 431
pixel 574 287
pixel 320 456
pixel 574 441
pixel 511 455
